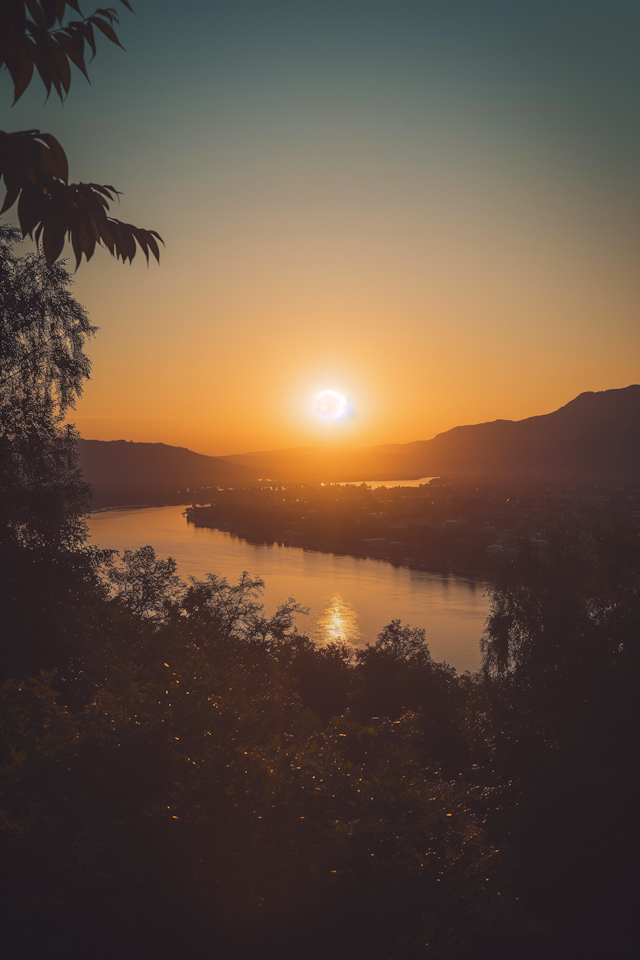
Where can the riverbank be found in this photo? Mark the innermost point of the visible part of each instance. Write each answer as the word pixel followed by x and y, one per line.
pixel 410 526
pixel 391 552
pixel 463 527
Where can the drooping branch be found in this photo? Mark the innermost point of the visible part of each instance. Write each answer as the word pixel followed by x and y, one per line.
pixel 33 165
pixel 33 36
pixel 50 210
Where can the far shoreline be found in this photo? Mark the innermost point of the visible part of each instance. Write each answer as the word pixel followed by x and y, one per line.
pixel 311 546
pixel 315 546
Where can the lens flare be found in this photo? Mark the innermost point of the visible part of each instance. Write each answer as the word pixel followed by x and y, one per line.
pixel 331 405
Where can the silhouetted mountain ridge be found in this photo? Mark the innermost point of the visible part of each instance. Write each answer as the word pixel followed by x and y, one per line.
pixel 122 471
pixel 594 433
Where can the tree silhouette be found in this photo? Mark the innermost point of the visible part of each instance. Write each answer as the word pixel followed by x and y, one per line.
pixel 35 37
pixel 43 366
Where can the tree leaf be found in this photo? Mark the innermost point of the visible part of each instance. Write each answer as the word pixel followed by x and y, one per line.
pixel 37 13
pixel 24 77
pixel 10 198
pixel 87 32
pixel 107 29
pixel 62 65
pixel 59 156
pixel 29 210
pixel 52 243
pixel 74 47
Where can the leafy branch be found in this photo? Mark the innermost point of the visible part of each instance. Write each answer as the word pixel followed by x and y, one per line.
pixel 33 165
pixel 32 36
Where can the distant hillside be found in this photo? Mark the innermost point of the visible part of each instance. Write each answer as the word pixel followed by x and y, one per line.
pixel 597 433
pixel 126 472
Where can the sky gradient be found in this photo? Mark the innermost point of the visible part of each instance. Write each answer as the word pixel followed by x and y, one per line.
pixel 432 207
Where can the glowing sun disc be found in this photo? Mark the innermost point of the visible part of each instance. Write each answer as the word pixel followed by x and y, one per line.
pixel 330 405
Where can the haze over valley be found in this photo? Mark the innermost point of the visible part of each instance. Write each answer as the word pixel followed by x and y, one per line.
pixel 594 435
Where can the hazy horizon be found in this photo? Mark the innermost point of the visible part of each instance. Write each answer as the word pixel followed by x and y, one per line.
pixel 429 208
pixel 326 444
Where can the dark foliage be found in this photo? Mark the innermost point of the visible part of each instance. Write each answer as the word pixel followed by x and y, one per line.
pixel 397 674
pixel 34 35
pixel 562 718
pixel 50 209
pixel 42 370
pixel 188 799
pixel 197 776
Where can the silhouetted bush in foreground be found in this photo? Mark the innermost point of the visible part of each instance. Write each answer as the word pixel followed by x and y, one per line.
pixel 192 777
pixel 194 801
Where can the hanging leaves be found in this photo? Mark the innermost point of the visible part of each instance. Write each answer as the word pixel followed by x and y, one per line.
pixel 50 209
pixel 33 35
pixel 33 165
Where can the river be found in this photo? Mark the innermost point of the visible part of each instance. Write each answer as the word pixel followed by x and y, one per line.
pixel 350 598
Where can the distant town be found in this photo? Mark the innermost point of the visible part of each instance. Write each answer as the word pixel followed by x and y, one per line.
pixel 451 525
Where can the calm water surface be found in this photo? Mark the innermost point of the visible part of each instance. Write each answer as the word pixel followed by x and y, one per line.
pixel 349 599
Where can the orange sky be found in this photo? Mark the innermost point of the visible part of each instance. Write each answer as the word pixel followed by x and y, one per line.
pixel 427 308
pixel 444 229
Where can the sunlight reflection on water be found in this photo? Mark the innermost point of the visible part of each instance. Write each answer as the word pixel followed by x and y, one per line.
pixel 338 623
pixel 350 597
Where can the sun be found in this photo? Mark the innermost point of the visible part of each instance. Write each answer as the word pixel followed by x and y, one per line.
pixel 331 405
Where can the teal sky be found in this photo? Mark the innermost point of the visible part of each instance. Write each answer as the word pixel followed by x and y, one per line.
pixel 433 206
